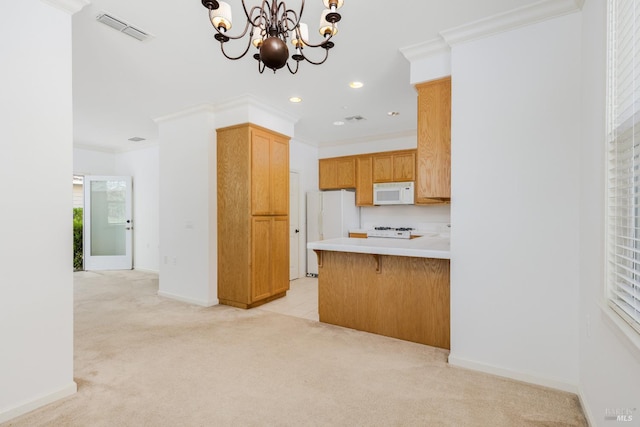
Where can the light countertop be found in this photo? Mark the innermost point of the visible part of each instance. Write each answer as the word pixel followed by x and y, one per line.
pixel 422 247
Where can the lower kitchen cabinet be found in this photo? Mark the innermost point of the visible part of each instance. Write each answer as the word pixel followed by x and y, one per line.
pixel 358 235
pixel 396 296
pixel 269 261
pixel 255 269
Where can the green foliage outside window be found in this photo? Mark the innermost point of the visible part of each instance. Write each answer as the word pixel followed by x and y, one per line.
pixel 77 240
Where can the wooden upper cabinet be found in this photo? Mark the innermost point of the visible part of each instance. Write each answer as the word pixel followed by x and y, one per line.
pixel 337 173
pixel 362 171
pixel 279 176
pixel 404 166
pixel 364 180
pixel 394 166
pixel 260 173
pixel 433 165
pixel 269 173
pixel 383 168
pixel 328 174
pixel 346 169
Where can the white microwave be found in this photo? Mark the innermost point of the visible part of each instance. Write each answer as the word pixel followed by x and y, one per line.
pixel 393 193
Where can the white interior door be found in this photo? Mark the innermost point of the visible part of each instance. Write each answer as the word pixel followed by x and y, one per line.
pixel 107 223
pixel 294 225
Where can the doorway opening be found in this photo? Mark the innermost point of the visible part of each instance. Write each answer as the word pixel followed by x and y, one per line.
pixel 294 225
pixel 108 235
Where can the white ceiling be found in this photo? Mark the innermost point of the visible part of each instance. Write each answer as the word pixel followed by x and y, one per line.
pixel 121 84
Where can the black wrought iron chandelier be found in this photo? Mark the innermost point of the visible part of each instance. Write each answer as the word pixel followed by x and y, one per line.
pixel 269 26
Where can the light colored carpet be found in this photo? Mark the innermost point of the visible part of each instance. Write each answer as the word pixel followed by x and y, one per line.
pixel 142 360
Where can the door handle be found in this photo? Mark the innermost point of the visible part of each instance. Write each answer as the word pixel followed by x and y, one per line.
pixel 297 231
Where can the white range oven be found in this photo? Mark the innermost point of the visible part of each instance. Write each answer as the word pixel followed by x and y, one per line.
pixel 391 232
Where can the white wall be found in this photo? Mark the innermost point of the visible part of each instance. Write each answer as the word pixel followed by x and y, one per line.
pixel 188 208
pixel 404 216
pixel 36 281
pixel 515 212
pixel 144 168
pixel 609 362
pixel 372 145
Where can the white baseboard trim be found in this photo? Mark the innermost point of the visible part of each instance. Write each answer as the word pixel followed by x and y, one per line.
pixel 585 408
pixel 180 298
pixel 514 375
pixel 23 408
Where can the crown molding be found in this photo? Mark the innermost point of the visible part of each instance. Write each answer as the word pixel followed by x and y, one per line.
pixel 142 146
pixel 522 16
pixel 244 101
pixel 251 101
pixel 69 6
pixel 425 49
pixel 307 142
pixel 115 149
pixel 515 18
pixel 203 108
pixel 99 148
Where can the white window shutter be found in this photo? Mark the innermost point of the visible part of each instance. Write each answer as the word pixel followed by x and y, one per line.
pixel 623 174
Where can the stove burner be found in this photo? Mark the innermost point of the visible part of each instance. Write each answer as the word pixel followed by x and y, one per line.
pixel 392 228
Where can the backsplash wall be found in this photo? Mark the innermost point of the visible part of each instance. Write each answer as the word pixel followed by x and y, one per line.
pixel 404 215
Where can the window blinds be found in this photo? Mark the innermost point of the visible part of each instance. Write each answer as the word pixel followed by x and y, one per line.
pixel 623 216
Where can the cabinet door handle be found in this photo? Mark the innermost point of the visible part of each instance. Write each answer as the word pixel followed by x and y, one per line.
pixel 297 231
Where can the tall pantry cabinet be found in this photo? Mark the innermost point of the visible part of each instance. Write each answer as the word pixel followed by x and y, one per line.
pixel 253 215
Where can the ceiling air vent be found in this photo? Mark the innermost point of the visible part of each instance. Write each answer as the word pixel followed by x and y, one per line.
pixel 354 119
pixel 123 27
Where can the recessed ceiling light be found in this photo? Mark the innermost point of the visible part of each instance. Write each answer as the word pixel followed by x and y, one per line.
pixel 356 85
pixel 393 113
pixel 338 123
pixel 295 99
pixel 136 139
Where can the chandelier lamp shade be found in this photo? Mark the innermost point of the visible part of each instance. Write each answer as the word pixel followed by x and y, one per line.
pixel 270 26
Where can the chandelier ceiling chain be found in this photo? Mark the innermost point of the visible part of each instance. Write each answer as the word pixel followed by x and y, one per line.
pixel 269 26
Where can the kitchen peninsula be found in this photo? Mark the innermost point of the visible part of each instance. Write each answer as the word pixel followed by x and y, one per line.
pixel 392 287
